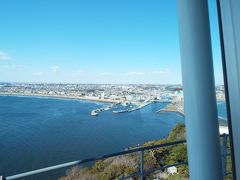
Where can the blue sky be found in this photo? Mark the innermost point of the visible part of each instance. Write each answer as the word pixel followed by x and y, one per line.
pixel 94 41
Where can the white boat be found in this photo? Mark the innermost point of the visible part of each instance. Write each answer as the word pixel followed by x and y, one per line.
pixel 107 108
pixel 94 113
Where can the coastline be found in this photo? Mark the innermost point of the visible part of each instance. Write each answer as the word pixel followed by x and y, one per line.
pixel 171 111
pixel 172 108
pixel 223 126
pixel 86 98
pixel 177 107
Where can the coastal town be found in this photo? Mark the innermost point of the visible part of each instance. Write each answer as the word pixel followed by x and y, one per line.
pixel 138 96
pixel 98 92
pixel 103 92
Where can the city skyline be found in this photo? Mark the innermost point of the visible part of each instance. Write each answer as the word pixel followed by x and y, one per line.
pixel 119 42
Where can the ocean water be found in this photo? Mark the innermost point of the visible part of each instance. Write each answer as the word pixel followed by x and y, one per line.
pixel 222 111
pixel 40 132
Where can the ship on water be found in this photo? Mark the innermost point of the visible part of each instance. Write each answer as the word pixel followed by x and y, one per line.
pixel 94 113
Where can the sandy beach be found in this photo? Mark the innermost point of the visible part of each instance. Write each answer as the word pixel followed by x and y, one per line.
pixel 88 98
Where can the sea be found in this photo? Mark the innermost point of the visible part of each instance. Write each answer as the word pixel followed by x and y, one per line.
pixel 36 132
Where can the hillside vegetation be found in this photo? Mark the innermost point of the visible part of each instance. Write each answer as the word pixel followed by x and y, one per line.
pixel 120 166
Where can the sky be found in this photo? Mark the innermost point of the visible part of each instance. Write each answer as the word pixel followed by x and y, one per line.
pixel 93 41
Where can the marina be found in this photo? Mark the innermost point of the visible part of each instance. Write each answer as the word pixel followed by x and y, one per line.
pixel 96 112
pixel 131 107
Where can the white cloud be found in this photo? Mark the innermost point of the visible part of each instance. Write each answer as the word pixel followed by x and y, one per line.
pixel 8 66
pixel 4 56
pixel 37 73
pixel 104 73
pixel 135 73
pixel 54 68
pixel 164 71
pixel 80 71
pixel 77 73
pixel 158 72
pixel 12 66
pixel 140 73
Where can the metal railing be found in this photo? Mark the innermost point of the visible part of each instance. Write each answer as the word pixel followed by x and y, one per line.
pixel 140 150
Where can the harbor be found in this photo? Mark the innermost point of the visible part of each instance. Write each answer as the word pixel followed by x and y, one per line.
pixel 96 112
pixel 131 106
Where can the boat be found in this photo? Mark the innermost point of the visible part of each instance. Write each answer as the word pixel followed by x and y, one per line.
pixel 94 113
pixel 107 108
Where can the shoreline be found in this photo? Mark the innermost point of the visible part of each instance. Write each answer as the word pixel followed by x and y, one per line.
pixel 86 98
pixel 171 111
pixel 222 122
pixel 223 125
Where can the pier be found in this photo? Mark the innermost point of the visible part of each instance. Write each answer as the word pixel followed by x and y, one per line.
pixel 139 106
pixel 96 112
pixel 144 104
